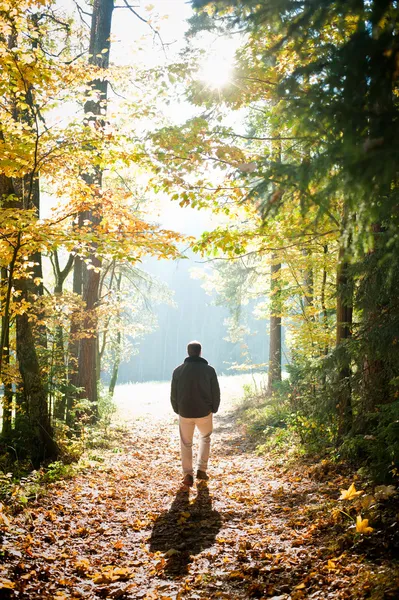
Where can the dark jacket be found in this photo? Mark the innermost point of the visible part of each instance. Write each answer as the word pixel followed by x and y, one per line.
pixel 195 388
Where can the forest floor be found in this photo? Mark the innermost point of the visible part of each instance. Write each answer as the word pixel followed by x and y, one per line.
pixel 262 527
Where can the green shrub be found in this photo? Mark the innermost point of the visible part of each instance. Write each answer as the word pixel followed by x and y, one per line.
pixel 106 408
pixel 377 450
pixel 57 470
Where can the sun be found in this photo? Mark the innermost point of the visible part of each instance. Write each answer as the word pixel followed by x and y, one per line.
pixel 216 71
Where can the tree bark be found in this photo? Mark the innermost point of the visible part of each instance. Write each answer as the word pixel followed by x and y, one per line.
pixel 274 374
pixel 117 362
pixel 5 351
pixel 60 369
pixel 34 395
pixel 324 314
pixel 343 333
pixel 118 346
pixel 88 375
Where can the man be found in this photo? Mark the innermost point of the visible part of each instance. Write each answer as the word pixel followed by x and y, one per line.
pixel 195 396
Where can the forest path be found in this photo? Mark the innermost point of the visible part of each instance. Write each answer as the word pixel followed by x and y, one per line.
pixel 124 528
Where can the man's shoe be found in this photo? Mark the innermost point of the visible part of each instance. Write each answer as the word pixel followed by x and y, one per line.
pixel 202 475
pixel 188 480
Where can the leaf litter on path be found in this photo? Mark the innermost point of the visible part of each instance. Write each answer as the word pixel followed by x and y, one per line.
pixel 125 528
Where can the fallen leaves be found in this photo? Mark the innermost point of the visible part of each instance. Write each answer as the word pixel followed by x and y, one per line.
pixel 110 573
pixel 350 493
pixel 362 525
pixel 382 492
pixel 4 520
pixel 6 584
pixel 255 531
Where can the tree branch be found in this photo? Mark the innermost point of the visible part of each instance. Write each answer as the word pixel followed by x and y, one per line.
pixel 156 33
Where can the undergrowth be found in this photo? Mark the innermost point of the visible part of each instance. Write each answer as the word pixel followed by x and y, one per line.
pixel 21 483
pixel 292 423
pixel 269 421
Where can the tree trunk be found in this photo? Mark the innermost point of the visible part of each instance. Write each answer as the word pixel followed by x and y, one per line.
pixel 274 374
pixel 6 191
pixel 308 285
pixel 376 385
pixel 74 342
pixel 115 369
pixel 118 348
pixel 343 333
pixel 95 109
pixel 59 369
pixel 7 388
pixel 33 397
pixel 34 394
pixel 324 313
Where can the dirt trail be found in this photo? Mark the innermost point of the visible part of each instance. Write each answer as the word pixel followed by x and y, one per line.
pixel 125 529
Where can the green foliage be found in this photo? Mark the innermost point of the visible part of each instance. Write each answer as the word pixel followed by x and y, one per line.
pixel 70 442
pixel 5 485
pixel 377 450
pixel 264 416
pixel 57 470
pixel 26 488
pixel 24 485
pixel 330 91
pixel 106 409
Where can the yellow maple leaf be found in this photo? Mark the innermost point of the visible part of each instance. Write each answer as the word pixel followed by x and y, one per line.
pixel 362 525
pixel 350 493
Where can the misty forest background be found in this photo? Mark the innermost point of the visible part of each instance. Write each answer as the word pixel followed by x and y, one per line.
pixel 229 174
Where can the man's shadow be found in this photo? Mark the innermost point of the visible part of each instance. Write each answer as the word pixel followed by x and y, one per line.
pixel 185 530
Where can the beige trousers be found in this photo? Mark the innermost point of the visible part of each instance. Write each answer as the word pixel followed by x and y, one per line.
pixel 187 427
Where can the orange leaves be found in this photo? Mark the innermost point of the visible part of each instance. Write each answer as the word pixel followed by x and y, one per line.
pixel 184 516
pixel 118 545
pixel 331 565
pixel 82 566
pixel 110 573
pixel 116 230
pixel 279 543
pixel 367 501
pixel 236 575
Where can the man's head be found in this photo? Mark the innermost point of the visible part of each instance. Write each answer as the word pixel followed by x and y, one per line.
pixel 194 349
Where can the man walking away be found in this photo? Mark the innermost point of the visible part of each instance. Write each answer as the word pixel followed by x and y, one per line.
pixel 195 396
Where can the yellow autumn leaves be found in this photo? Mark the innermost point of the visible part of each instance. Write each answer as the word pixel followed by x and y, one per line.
pixel 3 518
pixel 350 493
pixel 362 525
